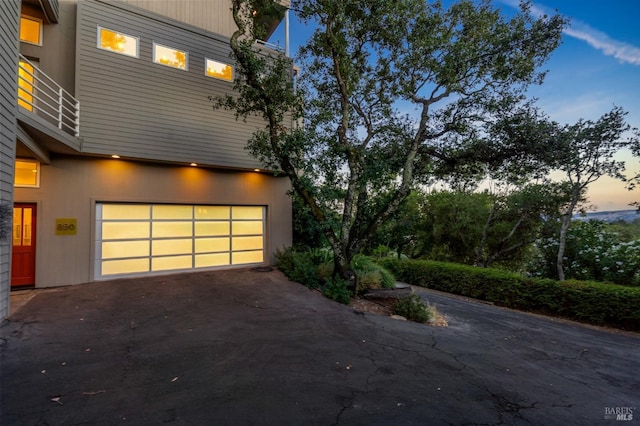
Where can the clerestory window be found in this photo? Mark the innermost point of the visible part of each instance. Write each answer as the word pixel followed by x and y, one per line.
pixel 218 70
pixel 117 42
pixel 169 56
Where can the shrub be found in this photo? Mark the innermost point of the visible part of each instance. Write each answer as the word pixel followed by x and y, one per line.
pixel 299 267
pixel 320 255
pixel 370 274
pixel 325 270
pixel 381 251
pixel 587 301
pixel 336 289
pixel 412 308
pixel 314 267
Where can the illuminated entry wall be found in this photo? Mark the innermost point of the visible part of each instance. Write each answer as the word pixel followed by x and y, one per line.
pixel 134 239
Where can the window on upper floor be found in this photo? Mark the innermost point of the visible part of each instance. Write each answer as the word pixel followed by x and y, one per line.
pixel 117 42
pixel 169 56
pixel 31 30
pixel 218 70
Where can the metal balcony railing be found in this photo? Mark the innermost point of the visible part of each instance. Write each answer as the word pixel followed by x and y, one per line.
pixel 273 46
pixel 40 94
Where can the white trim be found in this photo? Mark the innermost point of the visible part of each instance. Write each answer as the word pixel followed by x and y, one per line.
pixel 145 259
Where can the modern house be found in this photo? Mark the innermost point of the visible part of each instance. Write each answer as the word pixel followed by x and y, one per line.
pixel 112 158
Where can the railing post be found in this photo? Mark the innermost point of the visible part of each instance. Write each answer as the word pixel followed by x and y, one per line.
pixel 77 127
pixel 60 101
pixel 286 34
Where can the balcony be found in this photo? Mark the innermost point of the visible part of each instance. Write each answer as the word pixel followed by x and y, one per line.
pixel 48 115
pixel 40 94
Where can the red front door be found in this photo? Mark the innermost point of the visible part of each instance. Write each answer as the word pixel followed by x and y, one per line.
pixel 23 257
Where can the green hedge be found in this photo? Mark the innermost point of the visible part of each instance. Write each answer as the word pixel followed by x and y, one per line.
pixel 591 302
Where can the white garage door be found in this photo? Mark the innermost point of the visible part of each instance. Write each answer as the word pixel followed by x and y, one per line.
pixel 134 239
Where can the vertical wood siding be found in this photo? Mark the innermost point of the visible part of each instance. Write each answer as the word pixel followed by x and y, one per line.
pixel 134 107
pixel 9 20
pixel 210 15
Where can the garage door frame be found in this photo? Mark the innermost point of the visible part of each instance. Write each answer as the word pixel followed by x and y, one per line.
pixel 138 239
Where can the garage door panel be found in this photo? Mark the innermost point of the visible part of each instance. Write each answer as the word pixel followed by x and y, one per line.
pixel 246 212
pixel 171 229
pixel 246 243
pixel 171 262
pixel 212 259
pixel 210 229
pixel 166 247
pixel 252 227
pixel 125 211
pixel 242 257
pixel 122 249
pixel 125 230
pixel 125 266
pixel 172 212
pixel 212 212
pixel 137 239
pixel 210 245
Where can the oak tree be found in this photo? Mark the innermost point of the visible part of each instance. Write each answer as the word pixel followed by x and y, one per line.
pixel 584 152
pixel 389 93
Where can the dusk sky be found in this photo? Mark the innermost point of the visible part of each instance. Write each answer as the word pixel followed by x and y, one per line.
pixel 596 68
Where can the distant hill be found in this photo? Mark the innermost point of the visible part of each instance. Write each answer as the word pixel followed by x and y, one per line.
pixel 614 216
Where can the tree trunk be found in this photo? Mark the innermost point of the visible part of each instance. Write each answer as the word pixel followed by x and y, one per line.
pixel 565 221
pixel 562 243
pixel 481 255
pixel 342 268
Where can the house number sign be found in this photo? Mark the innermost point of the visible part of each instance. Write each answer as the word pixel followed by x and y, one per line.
pixel 66 226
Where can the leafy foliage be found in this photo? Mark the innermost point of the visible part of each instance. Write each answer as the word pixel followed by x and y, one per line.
pixel 370 275
pixel 357 154
pixel 626 231
pixel 479 228
pixel 309 267
pixel 584 152
pixel 403 230
pixel 337 289
pixel 412 308
pixel 593 252
pixel 306 231
pixel 454 223
pixel 592 302
pixel 299 266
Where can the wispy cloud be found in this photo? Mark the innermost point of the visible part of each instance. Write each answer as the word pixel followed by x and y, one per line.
pixel 624 52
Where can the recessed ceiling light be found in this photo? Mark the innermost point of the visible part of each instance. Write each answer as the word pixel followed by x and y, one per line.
pixel 194 164
pixel 115 156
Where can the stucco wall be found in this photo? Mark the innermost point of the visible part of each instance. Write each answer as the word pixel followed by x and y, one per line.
pixel 70 188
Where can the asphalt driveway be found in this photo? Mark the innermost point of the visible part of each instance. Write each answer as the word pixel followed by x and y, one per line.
pixel 251 348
